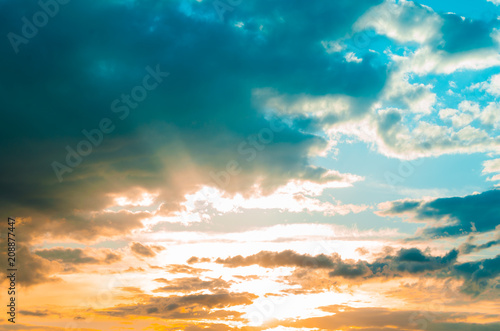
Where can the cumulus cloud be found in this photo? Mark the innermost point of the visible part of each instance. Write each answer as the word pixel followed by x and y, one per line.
pixel 411 261
pixel 457 216
pixel 144 250
pixel 192 284
pixel 170 135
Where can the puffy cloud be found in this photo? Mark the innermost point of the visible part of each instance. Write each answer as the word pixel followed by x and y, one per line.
pixel 40 270
pixel 411 261
pixel 457 216
pixel 191 284
pixel 170 135
pixel 286 258
pixel 478 274
pixel 146 251
pixel 468 111
pixel 491 115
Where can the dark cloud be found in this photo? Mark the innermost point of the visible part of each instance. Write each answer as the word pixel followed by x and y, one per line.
pixel 78 256
pixel 347 318
pixel 195 306
pixel 132 269
pixel 192 284
pixel 80 227
pixel 412 261
pixel 478 275
pixel 132 289
pixel 469 248
pixel 141 250
pixel 183 269
pixel 35 270
pixel 460 215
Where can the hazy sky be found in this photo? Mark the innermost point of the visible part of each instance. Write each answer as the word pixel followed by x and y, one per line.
pixel 259 165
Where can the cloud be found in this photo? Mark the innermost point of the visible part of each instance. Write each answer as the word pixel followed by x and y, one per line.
pixel 492 86
pixel 477 275
pixel 468 248
pixel 37 313
pixel 405 22
pixel 183 269
pixel 406 261
pixel 170 135
pixel 373 318
pixel 195 259
pixel 458 216
pixel 41 271
pixel 81 226
pixel 191 284
pixel 468 111
pixel 286 258
pixel 142 250
pixel 194 306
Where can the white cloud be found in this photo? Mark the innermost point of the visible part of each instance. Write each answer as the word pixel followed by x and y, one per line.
pixel 403 22
pixel 417 97
pixel 351 57
pixel 492 86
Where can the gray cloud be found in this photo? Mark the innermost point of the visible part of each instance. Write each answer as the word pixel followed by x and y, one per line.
pixel 461 215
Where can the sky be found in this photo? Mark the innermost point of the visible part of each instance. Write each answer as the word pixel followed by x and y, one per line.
pixel 251 165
